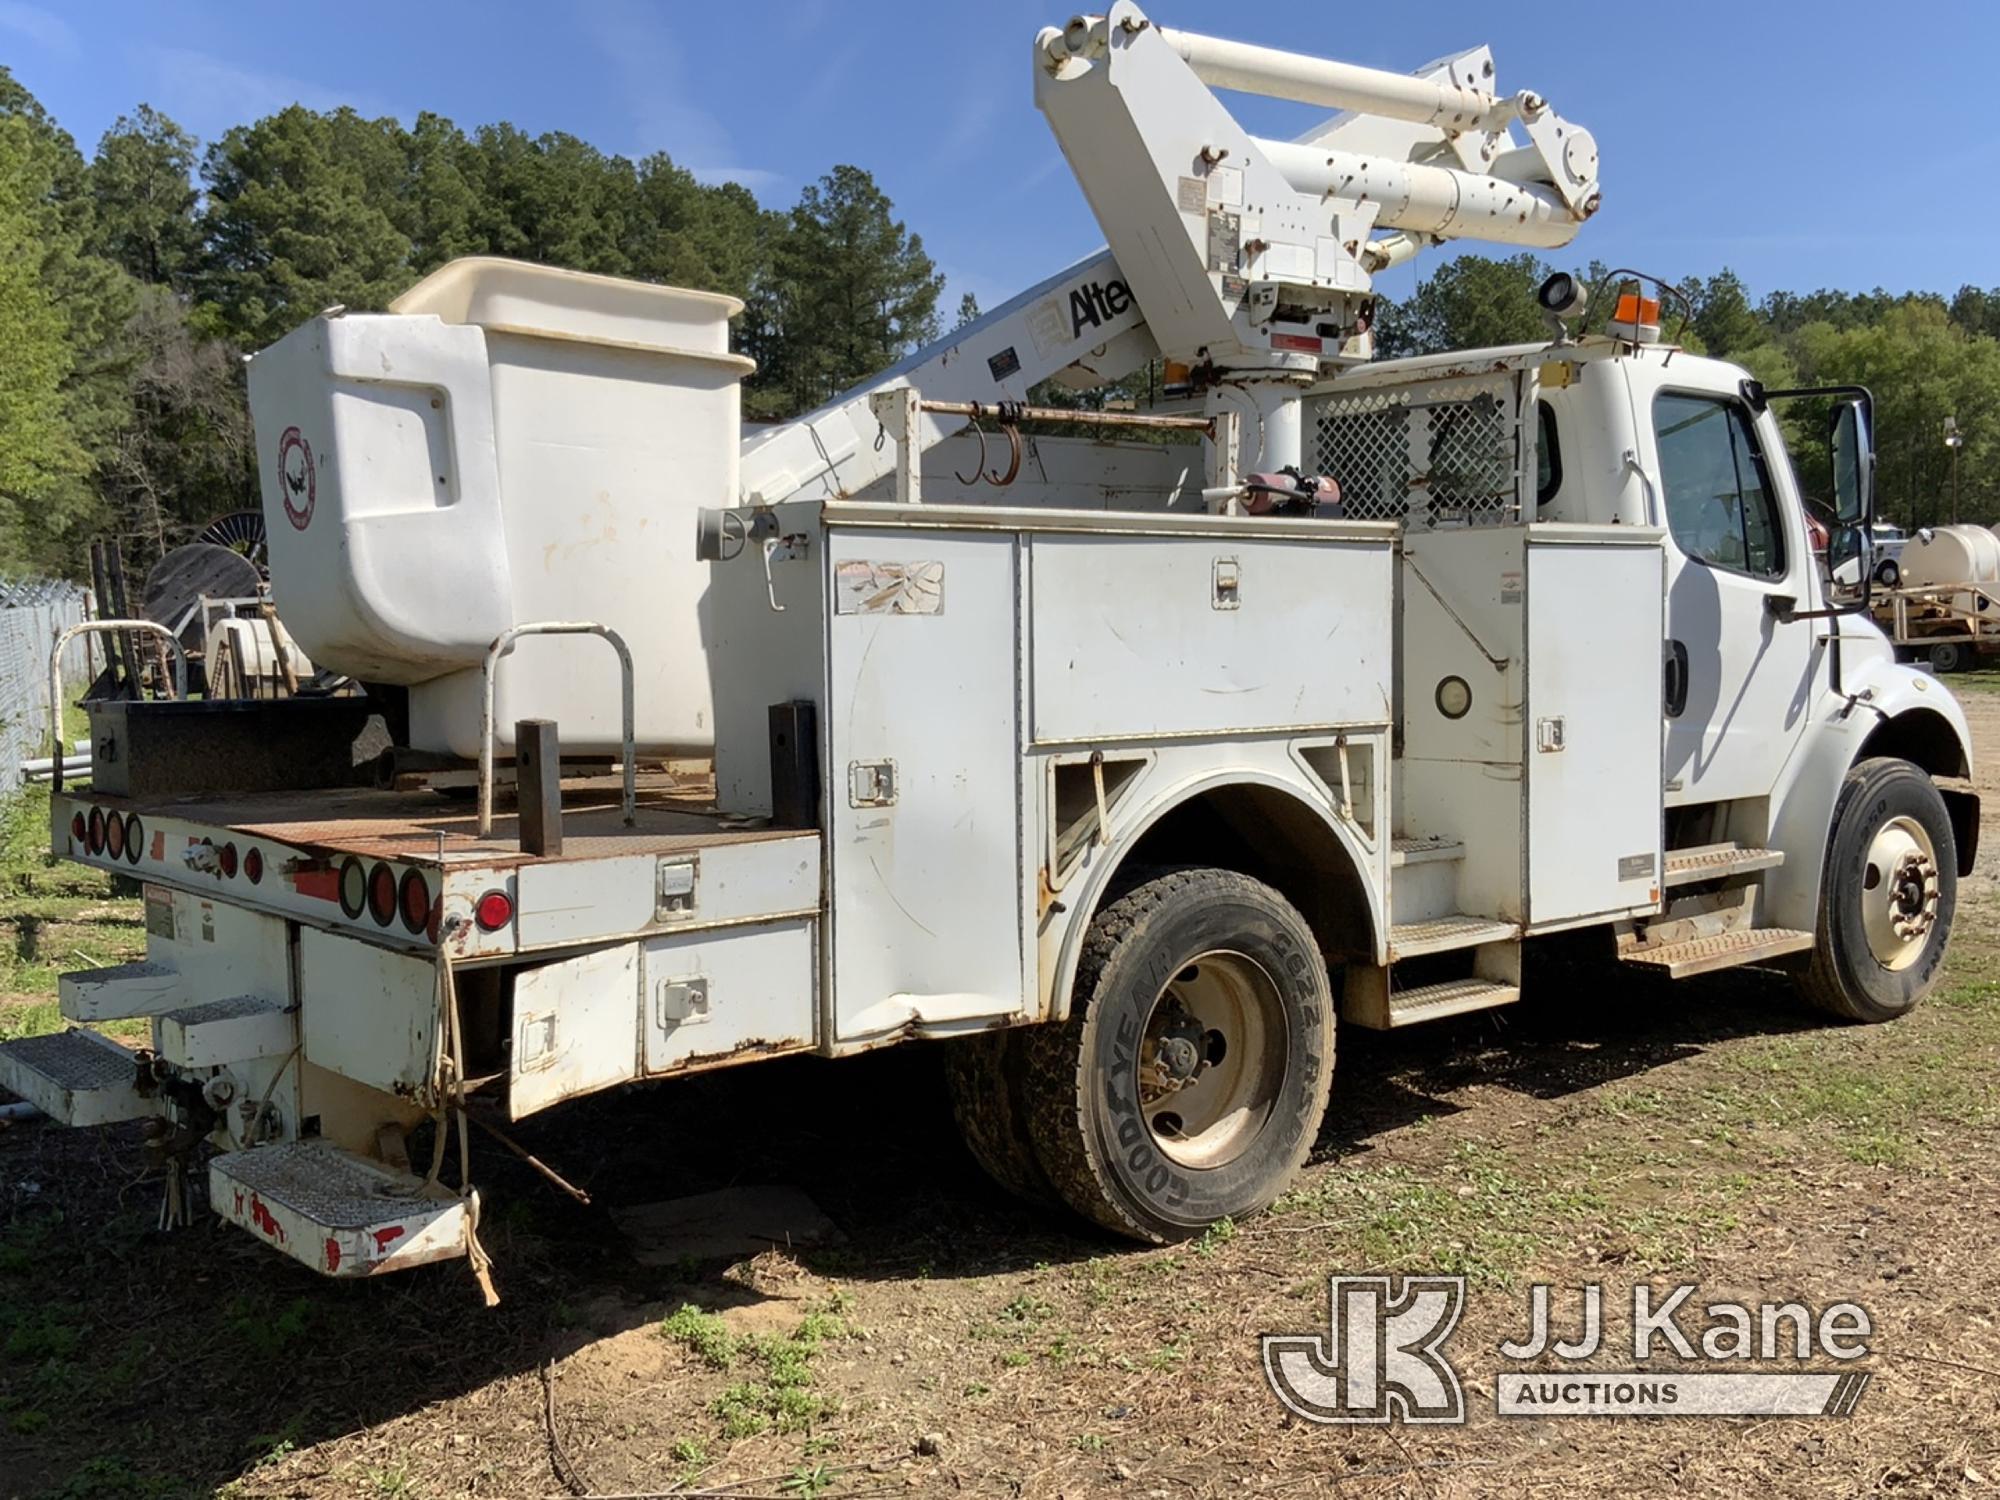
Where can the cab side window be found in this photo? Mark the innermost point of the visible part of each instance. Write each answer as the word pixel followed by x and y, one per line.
pixel 1548 455
pixel 1719 508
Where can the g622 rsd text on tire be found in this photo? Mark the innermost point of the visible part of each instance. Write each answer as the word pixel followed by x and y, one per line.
pixel 1887 896
pixel 1189 1080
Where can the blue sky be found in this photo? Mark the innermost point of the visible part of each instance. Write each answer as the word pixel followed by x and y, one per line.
pixel 1836 144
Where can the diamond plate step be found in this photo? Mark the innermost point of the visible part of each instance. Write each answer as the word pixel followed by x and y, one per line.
pixel 77 1077
pixel 1414 849
pixel 1429 1002
pixel 339 1213
pixel 118 993
pixel 1728 950
pixel 1717 862
pixel 217 1033
pixel 1443 934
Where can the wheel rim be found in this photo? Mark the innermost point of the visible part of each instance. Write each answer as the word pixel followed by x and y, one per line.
pixel 1899 893
pixel 1212 1058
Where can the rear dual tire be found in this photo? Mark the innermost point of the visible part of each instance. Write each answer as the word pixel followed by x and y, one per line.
pixel 1191 1076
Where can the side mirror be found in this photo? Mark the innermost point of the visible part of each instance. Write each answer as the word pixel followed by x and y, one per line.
pixel 1851 449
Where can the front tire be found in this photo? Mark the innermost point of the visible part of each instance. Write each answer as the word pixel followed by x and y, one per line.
pixel 1189 1081
pixel 1887 895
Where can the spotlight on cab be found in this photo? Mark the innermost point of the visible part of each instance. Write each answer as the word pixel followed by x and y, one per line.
pixel 1562 297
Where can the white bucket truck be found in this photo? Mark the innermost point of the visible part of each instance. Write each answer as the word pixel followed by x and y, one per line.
pixel 1123 780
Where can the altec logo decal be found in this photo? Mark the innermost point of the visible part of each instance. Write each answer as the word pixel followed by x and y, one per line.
pixel 295 474
pixel 1061 318
pixel 1092 305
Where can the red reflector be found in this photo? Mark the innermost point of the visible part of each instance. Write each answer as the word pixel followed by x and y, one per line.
pixel 135 838
pixel 494 911
pixel 253 866
pixel 114 836
pixel 94 831
pixel 382 894
pixel 78 829
pixel 227 858
pixel 414 897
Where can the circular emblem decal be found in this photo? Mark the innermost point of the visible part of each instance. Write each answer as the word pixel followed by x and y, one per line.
pixel 295 473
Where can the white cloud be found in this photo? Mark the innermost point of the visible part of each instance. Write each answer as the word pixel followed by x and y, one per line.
pixel 208 94
pixel 39 26
pixel 972 125
pixel 652 74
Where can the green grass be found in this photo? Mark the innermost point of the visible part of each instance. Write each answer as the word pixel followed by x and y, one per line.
pixel 1489 1217
pixel 55 916
pixel 703 1334
pixel 776 1393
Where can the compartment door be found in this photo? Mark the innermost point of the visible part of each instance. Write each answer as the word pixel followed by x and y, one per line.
pixel 575 1028
pixel 928 902
pixel 1594 712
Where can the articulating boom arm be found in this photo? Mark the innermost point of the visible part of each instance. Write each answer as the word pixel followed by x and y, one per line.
pixel 1247 257
pixel 1256 256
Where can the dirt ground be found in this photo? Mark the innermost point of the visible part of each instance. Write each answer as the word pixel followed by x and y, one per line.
pixel 1616 1129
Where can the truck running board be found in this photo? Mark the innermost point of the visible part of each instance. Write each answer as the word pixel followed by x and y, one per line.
pixel 339 1213
pixel 1725 950
pixel 1431 1002
pixel 1718 862
pixel 77 1077
pixel 1444 934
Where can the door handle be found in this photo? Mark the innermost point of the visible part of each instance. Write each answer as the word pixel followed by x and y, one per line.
pixel 1676 684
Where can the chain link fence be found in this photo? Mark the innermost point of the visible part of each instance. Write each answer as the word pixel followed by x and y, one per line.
pixel 31 612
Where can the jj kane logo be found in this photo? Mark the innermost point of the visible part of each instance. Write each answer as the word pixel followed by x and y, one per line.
pixel 1383 1357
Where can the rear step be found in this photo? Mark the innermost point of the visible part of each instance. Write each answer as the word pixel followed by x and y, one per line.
pixel 1429 1002
pixel 1443 934
pixel 119 993
pixel 339 1213
pixel 1718 862
pixel 77 1077
pixel 1725 950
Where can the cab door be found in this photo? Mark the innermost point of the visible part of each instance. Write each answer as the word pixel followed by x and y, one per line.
pixel 1739 677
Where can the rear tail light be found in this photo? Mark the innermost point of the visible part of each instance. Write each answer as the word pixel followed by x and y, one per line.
pixel 414 897
pixel 78 829
pixel 353 888
pixel 493 911
pixel 114 836
pixel 135 838
pixel 94 831
pixel 226 858
pixel 382 894
pixel 253 866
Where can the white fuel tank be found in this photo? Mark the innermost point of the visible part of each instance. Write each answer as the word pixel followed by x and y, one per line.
pixel 1951 554
pixel 509 443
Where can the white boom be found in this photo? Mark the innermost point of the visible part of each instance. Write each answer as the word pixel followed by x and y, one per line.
pixel 1251 257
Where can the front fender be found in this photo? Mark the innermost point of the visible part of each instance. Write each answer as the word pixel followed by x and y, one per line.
pixel 1885 708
